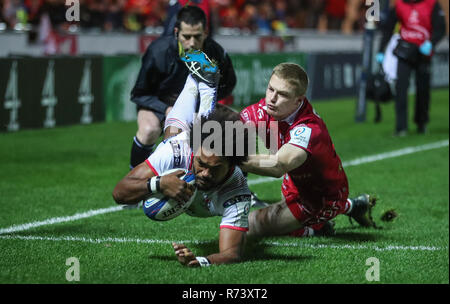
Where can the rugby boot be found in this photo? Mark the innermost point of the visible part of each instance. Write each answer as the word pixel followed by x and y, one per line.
pixel 201 67
pixel 361 210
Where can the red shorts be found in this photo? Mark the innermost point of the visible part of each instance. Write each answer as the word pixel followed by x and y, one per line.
pixel 308 217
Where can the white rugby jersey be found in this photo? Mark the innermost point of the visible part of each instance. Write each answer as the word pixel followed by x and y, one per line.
pixel 231 199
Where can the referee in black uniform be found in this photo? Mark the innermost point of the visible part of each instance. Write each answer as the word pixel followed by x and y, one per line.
pixel 162 77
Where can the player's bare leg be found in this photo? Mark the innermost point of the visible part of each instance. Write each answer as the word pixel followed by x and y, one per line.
pixel 149 127
pixel 273 220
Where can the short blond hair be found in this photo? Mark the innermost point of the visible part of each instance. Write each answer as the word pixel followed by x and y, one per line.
pixel 294 74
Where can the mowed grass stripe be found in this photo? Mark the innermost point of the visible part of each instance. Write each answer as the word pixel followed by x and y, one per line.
pixel 355 162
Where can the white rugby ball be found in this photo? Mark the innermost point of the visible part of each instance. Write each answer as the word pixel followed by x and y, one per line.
pixel 161 208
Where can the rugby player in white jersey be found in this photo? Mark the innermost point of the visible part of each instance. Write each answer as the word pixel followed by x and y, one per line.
pixel 221 187
pixel 198 98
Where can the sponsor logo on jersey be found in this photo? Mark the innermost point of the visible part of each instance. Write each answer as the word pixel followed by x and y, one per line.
pixel 300 136
pixel 260 113
pixel 413 17
pixel 176 153
pixel 237 199
pixel 245 115
pixel 247 209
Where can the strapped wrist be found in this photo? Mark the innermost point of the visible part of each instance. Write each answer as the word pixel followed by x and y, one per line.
pixel 204 262
pixel 153 184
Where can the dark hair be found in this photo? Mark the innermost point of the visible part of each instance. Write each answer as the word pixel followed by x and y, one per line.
pixel 191 15
pixel 234 146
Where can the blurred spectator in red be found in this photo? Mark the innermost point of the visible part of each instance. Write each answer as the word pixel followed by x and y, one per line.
pixel 295 13
pixel 34 9
pixel 156 15
pixel 229 17
pixel 135 10
pixel 248 17
pixel 138 6
pixel 263 16
pixel 333 15
pixel 203 4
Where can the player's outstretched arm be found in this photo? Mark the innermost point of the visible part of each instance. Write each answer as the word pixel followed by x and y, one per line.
pixel 286 159
pixel 133 187
pixel 231 243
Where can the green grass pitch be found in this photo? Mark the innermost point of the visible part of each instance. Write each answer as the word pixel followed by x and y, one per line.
pixel 67 171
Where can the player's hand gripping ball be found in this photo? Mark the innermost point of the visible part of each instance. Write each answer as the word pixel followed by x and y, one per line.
pixel 161 208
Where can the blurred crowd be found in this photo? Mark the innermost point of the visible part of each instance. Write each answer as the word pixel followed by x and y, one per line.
pixel 276 15
pixel 256 16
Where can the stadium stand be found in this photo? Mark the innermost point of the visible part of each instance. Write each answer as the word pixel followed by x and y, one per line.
pixel 134 15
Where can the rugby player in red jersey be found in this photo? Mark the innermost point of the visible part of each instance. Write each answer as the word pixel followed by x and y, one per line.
pixel 315 187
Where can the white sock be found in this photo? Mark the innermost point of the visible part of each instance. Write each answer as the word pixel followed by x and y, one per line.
pixel 183 111
pixel 208 99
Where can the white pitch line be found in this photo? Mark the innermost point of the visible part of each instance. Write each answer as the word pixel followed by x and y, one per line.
pixel 368 159
pixel 279 244
pixel 355 162
pixel 89 240
pixel 396 153
pixel 352 247
pixel 57 220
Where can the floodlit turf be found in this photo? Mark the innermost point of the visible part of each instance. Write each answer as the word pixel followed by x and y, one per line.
pixel 60 172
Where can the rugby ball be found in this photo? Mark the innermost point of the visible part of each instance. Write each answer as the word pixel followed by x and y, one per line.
pixel 161 208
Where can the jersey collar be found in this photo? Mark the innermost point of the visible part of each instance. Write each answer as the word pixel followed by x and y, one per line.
pixel 291 118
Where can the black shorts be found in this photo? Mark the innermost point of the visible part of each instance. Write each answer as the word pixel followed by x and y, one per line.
pixel 156 106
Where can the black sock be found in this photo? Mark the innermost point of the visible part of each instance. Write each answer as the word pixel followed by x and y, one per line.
pixel 139 152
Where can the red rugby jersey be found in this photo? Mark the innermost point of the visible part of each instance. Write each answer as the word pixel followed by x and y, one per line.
pixel 321 177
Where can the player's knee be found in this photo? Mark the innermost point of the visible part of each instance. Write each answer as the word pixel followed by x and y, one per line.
pixel 148 133
pixel 252 225
pixel 269 220
pixel 258 223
